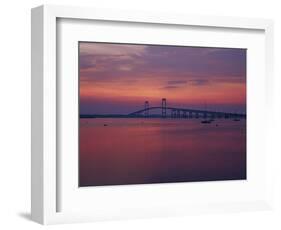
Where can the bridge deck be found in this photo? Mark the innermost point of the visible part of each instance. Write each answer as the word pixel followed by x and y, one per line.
pixel 189 110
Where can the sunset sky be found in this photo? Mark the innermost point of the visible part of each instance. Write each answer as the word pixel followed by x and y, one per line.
pixel 118 78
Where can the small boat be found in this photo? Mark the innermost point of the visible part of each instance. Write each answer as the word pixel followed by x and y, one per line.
pixel 104 124
pixel 206 121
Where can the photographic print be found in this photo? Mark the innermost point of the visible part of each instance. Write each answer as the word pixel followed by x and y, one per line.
pixel 161 114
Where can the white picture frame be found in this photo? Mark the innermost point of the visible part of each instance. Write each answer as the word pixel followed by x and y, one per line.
pixel 46 182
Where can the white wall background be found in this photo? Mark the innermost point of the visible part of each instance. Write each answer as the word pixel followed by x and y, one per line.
pixel 15 113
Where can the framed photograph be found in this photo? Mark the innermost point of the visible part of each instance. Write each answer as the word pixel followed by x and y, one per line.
pixel 128 134
pixel 138 114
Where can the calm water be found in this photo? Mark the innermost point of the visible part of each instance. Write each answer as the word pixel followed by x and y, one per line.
pixel 136 151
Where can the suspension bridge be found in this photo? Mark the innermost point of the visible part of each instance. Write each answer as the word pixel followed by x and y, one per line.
pixel 170 112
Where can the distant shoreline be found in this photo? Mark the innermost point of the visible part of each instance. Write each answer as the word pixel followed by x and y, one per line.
pixel 84 116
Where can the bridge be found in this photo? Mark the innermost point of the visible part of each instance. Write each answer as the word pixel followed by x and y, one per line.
pixel 174 112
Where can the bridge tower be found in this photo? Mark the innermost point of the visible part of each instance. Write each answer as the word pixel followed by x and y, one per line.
pixel 146 107
pixel 164 107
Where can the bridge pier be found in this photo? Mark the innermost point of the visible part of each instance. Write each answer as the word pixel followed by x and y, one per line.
pixel 173 113
pixel 178 113
pixel 164 107
pixel 146 107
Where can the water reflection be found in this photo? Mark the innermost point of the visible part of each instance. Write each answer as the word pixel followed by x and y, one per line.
pixel 136 151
